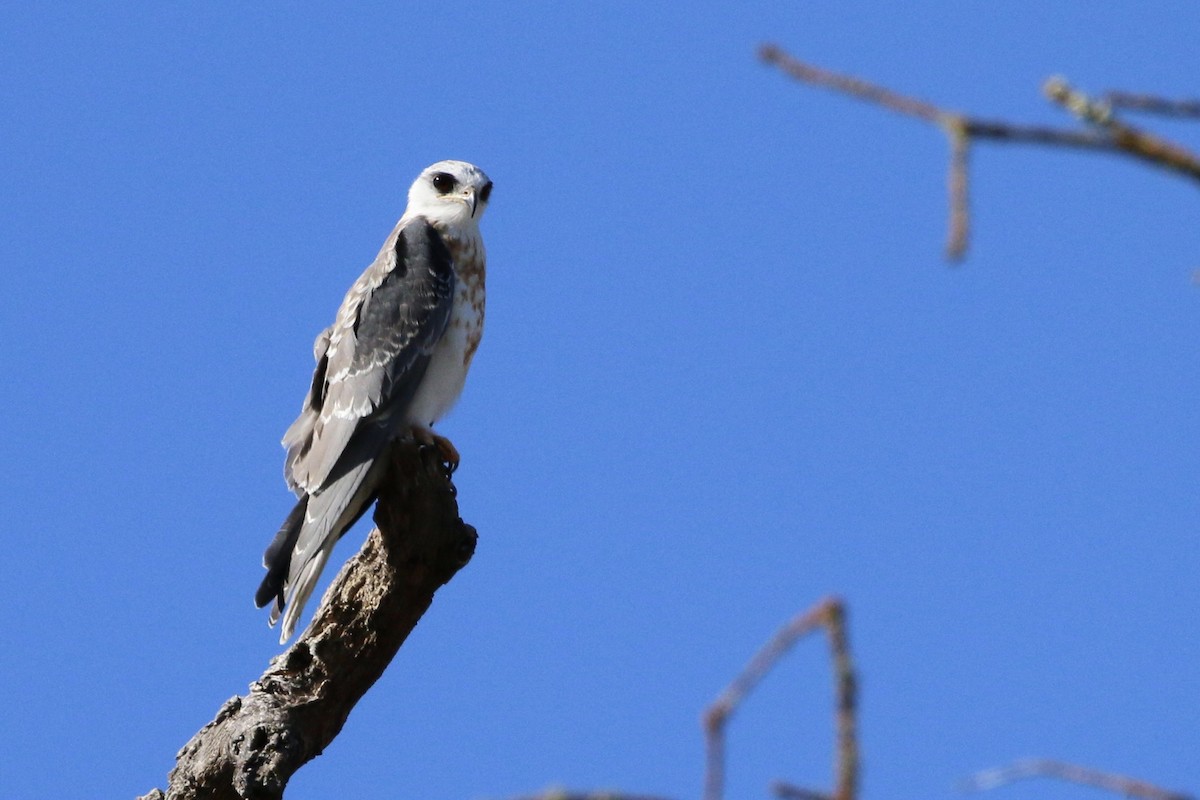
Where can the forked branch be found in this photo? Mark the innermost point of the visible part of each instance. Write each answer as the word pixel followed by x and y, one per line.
pixel 1104 132
pixel 829 614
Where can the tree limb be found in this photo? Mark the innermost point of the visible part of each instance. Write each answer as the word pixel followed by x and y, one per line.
pixel 1104 132
pixel 292 713
pixel 829 614
pixel 1121 136
pixel 1150 104
pixel 564 794
pixel 1073 773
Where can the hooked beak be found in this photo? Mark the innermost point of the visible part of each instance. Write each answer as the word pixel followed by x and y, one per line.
pixel 472 201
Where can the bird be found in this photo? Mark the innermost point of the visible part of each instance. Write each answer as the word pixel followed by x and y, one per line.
pixel 391 365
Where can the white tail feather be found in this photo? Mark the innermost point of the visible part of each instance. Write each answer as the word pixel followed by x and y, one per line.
pixel 302 589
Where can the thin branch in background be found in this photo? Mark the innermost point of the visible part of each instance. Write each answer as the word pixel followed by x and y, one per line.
pixel 1125 138
pixel 786 791
pixel 829 614
pixel 959 188
pixel 848 84
pixel 1106 133
pixel 1149 104
pixel 563 794
pixel 1061 770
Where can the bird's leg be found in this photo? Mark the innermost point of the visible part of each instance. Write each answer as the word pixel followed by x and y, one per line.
pixel 445 448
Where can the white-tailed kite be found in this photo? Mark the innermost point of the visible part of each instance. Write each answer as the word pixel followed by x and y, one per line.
pixel 393 362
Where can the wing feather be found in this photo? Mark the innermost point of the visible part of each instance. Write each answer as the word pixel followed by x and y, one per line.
pixel 374 356
pixel 299 436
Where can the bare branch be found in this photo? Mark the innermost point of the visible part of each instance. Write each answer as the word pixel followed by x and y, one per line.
pixel 562 794
pixel 787 791
pixel 1006 133
pixel 1149 104
pixel 829 614
pixel 1107 134
pixel 959 189
pixel 257 741
pixel 846 693
pixel 1061 770
pixel 1087 109
pixel 950 121
pixel 1125 138
pixel 847 84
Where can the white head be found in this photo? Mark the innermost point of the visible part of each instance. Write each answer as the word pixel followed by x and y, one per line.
pixel 450 193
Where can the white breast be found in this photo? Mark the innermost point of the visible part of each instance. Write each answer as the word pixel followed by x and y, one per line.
pixel 447 372
pixel 451 358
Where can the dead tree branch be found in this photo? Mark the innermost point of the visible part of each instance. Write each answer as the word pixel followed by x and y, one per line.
pixel 1149 104
pixel 829 614
pixel 1061 770
pixel 291 714
pixel 563 794
pixel 786 791
pixel 1105 132
pixel 1121 136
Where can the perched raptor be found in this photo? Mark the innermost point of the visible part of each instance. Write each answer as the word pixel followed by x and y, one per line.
pixel 393 362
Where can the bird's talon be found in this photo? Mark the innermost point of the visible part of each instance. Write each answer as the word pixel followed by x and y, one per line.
pixel 447 452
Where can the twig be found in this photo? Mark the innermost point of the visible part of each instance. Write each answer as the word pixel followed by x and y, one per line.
pixel 1150 104
pixel 1125 138
pixel 1108 134
pixel 300 703
pixel 563 794
pixel 1087 109
pixel 829 614
pixel 846 693
pixel 1046 768
pixel 786 791
pixel 847 84
pixel 959 188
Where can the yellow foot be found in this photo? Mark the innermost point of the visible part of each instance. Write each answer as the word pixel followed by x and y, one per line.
pixel 445 448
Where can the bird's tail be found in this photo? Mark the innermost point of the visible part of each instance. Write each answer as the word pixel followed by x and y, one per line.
pixel 300 550
pixel 300 590
pixel 278 561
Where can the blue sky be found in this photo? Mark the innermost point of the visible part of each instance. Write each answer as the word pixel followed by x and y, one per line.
pixel 725 373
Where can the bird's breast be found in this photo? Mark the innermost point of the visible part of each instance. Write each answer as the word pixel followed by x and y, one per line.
pixel 451 356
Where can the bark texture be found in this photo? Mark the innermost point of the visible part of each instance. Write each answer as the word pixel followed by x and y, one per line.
pixel 258 741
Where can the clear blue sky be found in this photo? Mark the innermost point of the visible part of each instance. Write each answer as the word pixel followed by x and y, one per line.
pixel 725 373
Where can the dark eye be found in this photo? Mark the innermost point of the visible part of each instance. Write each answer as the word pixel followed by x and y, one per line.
pixel 443 182
pixel 485 192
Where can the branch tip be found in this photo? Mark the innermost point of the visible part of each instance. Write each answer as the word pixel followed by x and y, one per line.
pixel 1072 773
pixel 1106 133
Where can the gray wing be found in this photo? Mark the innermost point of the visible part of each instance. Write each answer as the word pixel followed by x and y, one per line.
pixel 370 362
pixel 369 365
pixel 297 438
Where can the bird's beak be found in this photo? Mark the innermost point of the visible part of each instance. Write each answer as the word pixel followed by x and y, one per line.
pixel 472 200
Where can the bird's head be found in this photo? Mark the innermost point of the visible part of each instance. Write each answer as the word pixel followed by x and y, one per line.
pixel 450 193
